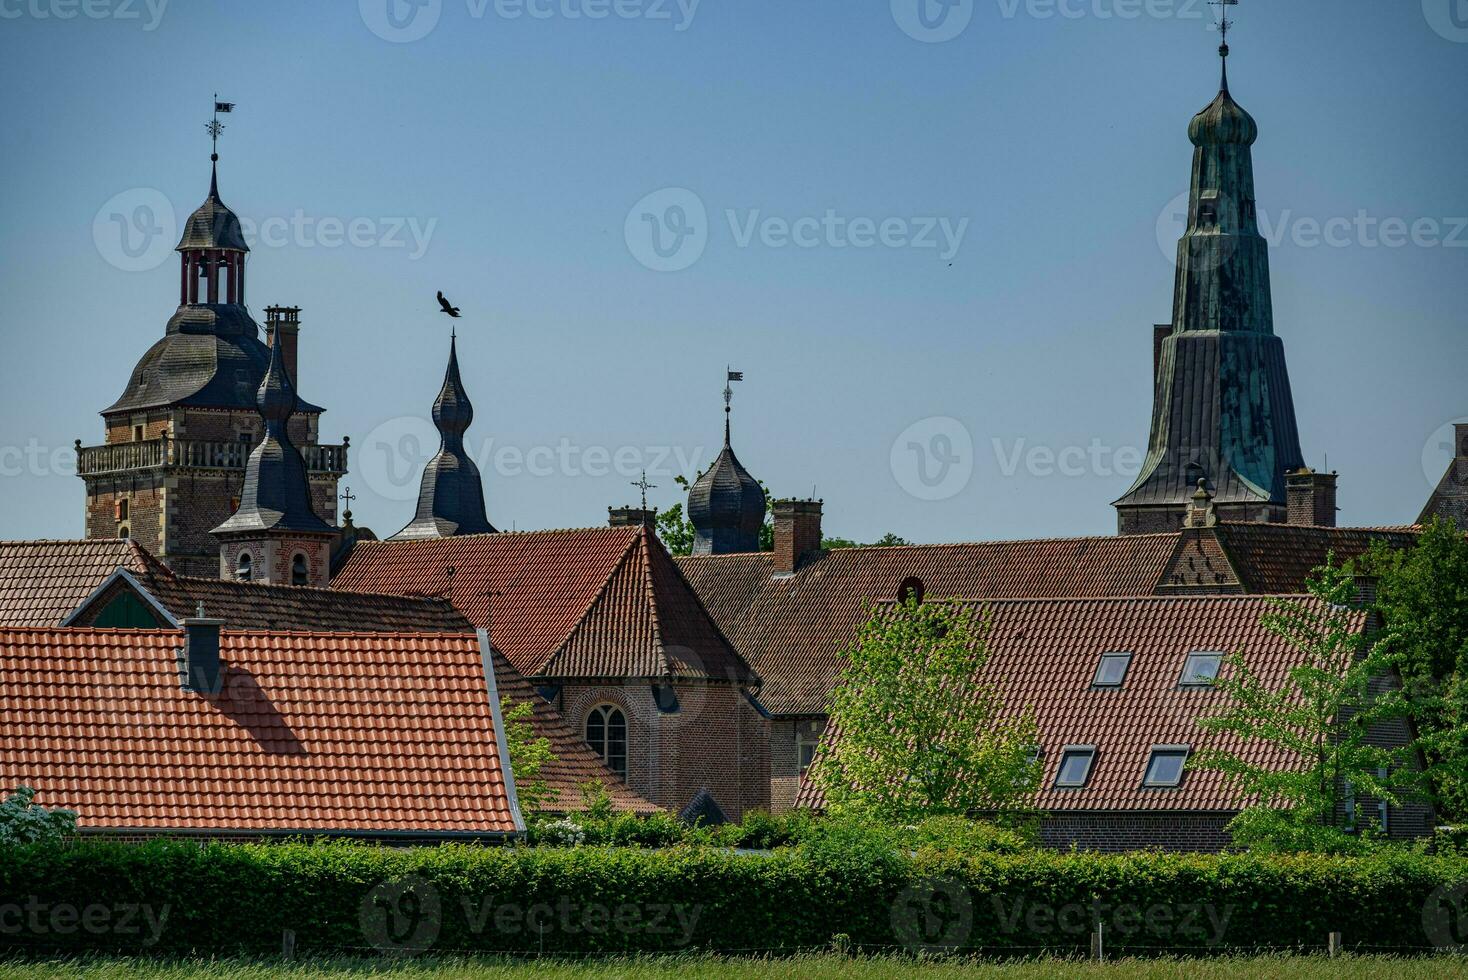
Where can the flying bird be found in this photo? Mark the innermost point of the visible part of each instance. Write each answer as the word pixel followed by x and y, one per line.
pixel 448 308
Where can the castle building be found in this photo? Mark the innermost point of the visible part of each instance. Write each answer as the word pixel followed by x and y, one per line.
pixel 173 463
pixel 1223 412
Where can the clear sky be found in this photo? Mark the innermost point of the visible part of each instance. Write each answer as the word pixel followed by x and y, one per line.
pixel 989 223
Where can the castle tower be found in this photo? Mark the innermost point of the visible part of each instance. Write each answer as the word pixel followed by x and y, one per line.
pixel 726 506
pixel 275 536
pixel 1223 412
pixel 451 496
pixel 172 465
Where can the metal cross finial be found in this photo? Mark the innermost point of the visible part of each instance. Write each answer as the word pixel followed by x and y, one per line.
pixel 644 486
pixel 348 497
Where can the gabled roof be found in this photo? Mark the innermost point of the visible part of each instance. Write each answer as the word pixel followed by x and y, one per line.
pixel 375 734
pixel 792 629
pixel 590 603
pixel 42 581
pixel 1043 655
pixel 1277 558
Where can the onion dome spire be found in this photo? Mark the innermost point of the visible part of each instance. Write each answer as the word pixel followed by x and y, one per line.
pixel 451 495
pixel 726 505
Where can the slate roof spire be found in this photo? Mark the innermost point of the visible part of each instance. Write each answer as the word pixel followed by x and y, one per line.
pixel 451 496
pixel 1223 411
pixel 726 505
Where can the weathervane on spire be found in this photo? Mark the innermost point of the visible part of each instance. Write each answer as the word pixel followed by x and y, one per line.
pixel 1223 27
pixel 644 486
pixel 730 376
pixel 215 127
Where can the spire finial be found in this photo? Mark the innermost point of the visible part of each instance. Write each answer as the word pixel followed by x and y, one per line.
pixel 644 486
pixel 214 128
pixel 1223 28
pixel 730 376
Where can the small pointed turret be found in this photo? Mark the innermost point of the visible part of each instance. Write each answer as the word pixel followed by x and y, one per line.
pixel 451 496
pixel 726 505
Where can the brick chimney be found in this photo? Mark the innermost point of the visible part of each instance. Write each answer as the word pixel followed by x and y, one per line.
pixel 284 322
pixel 797 533
pixel 630 516
pixel 198 661
pixel 1311 497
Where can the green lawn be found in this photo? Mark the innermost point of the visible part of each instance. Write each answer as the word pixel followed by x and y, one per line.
pixel 804 968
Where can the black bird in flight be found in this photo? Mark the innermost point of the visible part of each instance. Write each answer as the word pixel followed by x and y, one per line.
pixel 448 308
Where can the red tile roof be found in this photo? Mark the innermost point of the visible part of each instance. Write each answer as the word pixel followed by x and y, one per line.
pixel 590 603
pixel 42 581
pixel 1275 558
pixel 1043 655
pixel 791 630
pixel 358 733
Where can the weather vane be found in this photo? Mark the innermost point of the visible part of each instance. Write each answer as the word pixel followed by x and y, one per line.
pixel 644 486
pixel 215 127
pixel 1223 22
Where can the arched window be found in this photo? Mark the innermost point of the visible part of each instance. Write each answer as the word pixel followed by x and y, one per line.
pixel 244 568
pixel 606 733
pixel 300 574
pixel 911 589
pixel 123 532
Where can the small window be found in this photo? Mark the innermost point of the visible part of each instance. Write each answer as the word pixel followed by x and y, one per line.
pixel 300 571
pixel 1383 811
pixel 137 433
pixel 123 509
pixel 1201 669
pixel 123 532
pixel 1075 766
pixel 911 589
pixel 1165 767
pixel 805 749
pixel 1111 671
pixel 606 733
pixel 244 569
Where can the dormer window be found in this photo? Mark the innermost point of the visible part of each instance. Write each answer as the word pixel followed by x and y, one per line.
pixel 1201 669
pixel 1111 671
pixel 1075 766
pixel 911 590
pixel 1165 766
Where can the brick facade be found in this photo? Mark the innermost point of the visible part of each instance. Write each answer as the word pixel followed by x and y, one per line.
pixel 787 736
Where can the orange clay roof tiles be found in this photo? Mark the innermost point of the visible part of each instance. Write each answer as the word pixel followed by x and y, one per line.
pixel 358 733
pixel 42 581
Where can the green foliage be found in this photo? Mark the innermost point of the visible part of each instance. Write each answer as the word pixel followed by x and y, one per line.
pixel 888 540
pixel 220 900
pixel 23 821
pixel 1422 595
pixel 1321 716
pixel 529 755
pixel 919 735
pixel 961 835
pixel 675 531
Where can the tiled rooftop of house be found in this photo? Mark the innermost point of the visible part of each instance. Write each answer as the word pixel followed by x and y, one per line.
pixel 42 581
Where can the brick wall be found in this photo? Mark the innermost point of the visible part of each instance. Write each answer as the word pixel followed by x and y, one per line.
pixel 785 775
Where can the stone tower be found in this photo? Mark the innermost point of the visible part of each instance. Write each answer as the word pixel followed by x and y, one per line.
pixel 451 496
pixel 1223 412
pixel 172 466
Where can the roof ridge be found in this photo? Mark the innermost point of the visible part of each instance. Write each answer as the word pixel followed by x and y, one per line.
pixel 962 544
pixel 595 601
pixel 698 602
pixel 1097 599
pixel 650 586
pixel 307 589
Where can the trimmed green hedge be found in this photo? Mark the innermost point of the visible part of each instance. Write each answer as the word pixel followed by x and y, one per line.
pixel 176 897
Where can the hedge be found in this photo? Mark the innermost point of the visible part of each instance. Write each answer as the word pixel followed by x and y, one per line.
pixel 166 898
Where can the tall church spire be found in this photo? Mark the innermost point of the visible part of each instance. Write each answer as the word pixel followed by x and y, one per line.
pixel 451 496
pixel 1223 411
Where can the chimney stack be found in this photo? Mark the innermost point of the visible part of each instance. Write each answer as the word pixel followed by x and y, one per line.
pixel 283 324
pixel 198 662
pixel 1201 512
pixel 797 533
pixel 1311 497
pixel 630 516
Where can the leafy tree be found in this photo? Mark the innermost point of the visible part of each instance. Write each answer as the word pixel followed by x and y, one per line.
pixel 23 821
pixel 919 736
pixel 675 530
pixel 1422 595
pixel 1321 715
pixel 529 755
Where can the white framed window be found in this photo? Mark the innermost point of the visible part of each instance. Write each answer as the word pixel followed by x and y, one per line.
pixel 1111 671
pixel 1074 770
pixel 806 742
pixel 606 733
pixel 1165 766
pixel 1201 668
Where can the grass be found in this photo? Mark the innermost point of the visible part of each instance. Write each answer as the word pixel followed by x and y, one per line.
pixel 717 968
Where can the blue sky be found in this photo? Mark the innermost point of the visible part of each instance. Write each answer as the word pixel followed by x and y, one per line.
pixel 957 245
